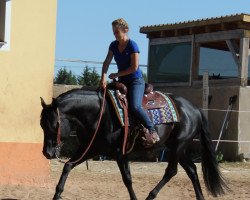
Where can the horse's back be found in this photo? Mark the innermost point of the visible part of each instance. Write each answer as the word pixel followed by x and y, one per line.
pixel 190 120
pixel 184 106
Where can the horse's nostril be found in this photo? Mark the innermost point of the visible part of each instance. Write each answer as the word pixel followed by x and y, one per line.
pixel 47 155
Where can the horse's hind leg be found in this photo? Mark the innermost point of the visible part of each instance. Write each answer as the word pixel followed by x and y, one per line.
pixel 170 171
pixel 126 176
pixel 191 171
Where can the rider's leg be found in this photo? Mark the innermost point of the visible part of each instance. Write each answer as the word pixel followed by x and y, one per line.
pixel 136 92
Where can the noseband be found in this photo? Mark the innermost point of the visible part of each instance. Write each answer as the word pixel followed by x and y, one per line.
pixel 60 143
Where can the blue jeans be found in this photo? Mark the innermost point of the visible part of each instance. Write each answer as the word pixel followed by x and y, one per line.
pixel 135 92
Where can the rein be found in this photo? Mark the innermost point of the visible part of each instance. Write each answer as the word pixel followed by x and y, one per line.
pixel 59 128
pixel 59 142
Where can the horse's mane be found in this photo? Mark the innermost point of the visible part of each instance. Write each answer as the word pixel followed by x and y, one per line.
pixel 75 94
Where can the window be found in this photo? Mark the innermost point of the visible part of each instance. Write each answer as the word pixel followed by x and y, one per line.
pixel 169 63
pixel 217 62
pixel 5 6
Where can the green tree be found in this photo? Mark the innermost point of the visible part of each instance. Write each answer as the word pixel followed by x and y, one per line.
pixel 65 77
pixel 89 77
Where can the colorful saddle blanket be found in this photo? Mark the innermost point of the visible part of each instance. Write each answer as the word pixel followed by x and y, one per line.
pixel 164 114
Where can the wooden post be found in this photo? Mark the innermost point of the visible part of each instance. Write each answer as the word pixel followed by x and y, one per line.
pixel 2 20
pixel 234 49
pixel 195 57
pixel 244 48
pixel 205 94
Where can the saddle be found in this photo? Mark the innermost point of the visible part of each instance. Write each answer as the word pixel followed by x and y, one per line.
pixel 151 100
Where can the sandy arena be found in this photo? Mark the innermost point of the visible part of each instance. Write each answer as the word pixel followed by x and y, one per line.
pixel 103 181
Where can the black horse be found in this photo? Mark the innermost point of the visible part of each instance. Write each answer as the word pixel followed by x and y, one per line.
pixel 82 108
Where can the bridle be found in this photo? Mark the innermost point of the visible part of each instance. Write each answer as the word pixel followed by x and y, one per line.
pixel 60 143
pixel 58 138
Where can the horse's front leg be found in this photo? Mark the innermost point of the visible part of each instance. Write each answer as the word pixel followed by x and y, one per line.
pixel 66 170
pixel 126 176
pixel 60 186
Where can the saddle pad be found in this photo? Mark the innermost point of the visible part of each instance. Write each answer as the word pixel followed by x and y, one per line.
pixel 118 108
pixel 167 114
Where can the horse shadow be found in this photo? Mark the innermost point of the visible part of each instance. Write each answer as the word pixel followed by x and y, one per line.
pixel 9 199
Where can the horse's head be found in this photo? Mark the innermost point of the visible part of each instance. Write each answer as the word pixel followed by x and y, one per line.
pixel 76 108
pixel 49 123
pixel 54 128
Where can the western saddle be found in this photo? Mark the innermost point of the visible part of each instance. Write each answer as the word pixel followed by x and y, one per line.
pixel 151 100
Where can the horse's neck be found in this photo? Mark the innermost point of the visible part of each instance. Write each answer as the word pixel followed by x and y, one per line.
pixel 82 109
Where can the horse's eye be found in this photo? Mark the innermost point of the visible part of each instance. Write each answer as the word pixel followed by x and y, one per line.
pixel 54 142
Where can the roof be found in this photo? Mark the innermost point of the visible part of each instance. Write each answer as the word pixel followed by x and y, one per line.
pixel 228 22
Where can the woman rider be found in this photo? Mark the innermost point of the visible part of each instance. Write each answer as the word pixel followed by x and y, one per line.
pixel 126 54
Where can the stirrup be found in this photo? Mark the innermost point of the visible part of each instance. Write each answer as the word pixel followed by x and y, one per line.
pixel 150 138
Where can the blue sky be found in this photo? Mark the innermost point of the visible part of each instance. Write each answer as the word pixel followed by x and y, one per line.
pixel 84 27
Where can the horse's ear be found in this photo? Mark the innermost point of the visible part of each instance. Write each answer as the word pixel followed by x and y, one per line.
pixel 43 102
pixel 54 103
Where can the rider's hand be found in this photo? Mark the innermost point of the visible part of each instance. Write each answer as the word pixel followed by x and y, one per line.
pixel 103 83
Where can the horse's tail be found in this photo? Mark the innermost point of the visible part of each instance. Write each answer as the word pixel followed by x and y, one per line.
pixel 211 174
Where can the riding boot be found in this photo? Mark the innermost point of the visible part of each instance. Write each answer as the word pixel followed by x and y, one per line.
pixel 151 138
pixel 154 135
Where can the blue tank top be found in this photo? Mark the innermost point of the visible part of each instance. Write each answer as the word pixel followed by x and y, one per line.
pixel 123 59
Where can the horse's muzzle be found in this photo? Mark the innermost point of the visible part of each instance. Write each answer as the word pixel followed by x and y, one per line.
pixel 49 153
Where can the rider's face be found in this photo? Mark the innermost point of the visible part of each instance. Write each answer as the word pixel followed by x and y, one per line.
pixel 118 33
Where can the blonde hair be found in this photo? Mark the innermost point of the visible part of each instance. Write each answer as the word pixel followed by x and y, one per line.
pixel 120 23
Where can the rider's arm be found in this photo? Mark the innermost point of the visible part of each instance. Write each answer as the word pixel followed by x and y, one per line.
pixel 105 67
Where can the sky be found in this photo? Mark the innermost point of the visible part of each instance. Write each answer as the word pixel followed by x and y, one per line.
pixel 84 29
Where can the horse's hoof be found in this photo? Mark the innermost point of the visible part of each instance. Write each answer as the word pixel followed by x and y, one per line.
pixel 151 196
pixel 57 198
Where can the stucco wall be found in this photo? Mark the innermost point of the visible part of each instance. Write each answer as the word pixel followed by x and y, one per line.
pixel 220 101
pixel 244 120
pixel 26 74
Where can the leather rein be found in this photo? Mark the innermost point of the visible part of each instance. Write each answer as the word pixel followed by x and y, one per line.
pixel 59 142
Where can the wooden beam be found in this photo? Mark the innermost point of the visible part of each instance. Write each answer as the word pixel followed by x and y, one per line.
pixel 243 25
pixel 244 49
pixel 162 34
pixel 176 32
pixel 179 39
pixel 205 93
pixel 190 31
pixel 234 49
pixel 207 29
pixel 220 35
pixel 195 57
pixel 247 33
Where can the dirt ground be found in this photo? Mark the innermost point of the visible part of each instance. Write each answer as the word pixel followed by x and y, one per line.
pixel 103 181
